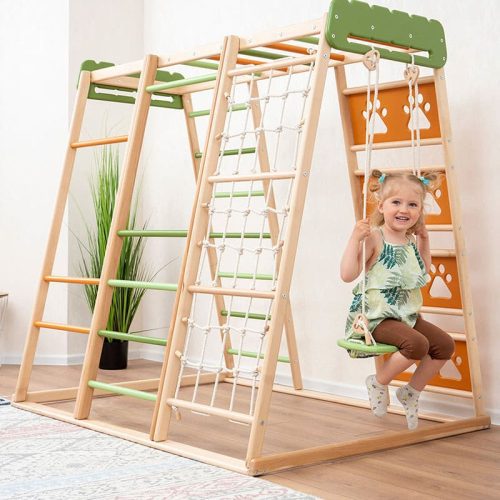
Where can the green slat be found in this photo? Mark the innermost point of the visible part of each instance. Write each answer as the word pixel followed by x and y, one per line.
pixel 238 314
pixel 232 152
pixel 124 391
pixel 309 39
pixel 169 287
pixel 132 338
pixel 206 112
pixel 182 233
pixel 250 354
pixel 368 349
pixel 263 54
pixel 245 276
pixel 238 194
pixel 201 64
pixel 181 83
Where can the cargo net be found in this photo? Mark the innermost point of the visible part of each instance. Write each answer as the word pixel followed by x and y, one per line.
pixel 244 240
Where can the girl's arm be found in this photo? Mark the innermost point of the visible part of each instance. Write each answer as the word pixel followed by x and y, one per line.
pixel 351 264
pixel 423 245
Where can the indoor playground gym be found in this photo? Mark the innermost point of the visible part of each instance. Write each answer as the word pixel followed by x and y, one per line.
pixel 233 323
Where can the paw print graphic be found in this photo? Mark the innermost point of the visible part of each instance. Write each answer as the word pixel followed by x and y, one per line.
pixel 422 120
pixel 441 278
pixel 379 126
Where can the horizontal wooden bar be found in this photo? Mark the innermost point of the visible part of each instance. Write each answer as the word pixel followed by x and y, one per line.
pixel 62 327
pixel 99 142
pixel 231 152
pixel 245 276
pixel 404 170
pixel 300 50
pixel 210 410
pixel 398 144
pixel 129 337
pixel 148 285
pixel 442 310
pixel 282 63
pixel 71 280
pixel 438 390
pixel 182 233
pixel 231 292
pixel 206 112
pixel 240 314
pixel 251 354
pixel 319 454
pixel 123 391
pixel 387 85
pixel 439 227
pixel 443 253
pixel 262 176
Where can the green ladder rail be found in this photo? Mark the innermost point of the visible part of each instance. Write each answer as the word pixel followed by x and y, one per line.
pixel 206 112
pixel 148 285
pixel 231 152
pixel 132 338
pixel 238 194
pixel 180 83
pixel 239 314
pixel 263 54
pixel 202 64
pixel 182 233
pixel 123 391
pixel 245 276
pixel 250 354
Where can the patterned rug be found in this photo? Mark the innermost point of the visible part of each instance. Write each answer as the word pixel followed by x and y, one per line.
pixel 44 458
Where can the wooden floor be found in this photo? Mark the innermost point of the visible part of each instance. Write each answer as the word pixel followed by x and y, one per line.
pixel 466 466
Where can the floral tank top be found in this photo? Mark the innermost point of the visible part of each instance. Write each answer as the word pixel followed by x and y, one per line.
pixel 392 288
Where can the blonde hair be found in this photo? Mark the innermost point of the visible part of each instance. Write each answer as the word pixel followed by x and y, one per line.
pixel 382 186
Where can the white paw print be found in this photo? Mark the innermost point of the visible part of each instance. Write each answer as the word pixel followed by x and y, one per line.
pixel 439 287
pixel 379 126
pixel 423 121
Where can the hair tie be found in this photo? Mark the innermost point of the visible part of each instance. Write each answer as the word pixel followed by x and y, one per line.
pixel 381 179
pixel 423 180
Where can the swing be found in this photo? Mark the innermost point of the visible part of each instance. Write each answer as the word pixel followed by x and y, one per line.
pixel 365 345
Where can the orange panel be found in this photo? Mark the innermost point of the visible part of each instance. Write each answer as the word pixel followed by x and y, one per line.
pixel 453 376
pixel 393 114
pixel 444 288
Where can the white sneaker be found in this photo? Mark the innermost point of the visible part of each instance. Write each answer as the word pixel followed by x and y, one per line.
pixel 379 396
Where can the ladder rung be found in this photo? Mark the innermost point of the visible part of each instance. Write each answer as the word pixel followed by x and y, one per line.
pixel 240 314
pixel 124 391
pixel 263 176
pixel 404 170
pixel 181 83
pixel 442 310
pixel 210 410
pixel 250 354
pixel 238 194
pixel 60 326
pixel 206 112
pixel 99 142
pixel 245 276
pixel 439 227
pixel 398 144
pixel 439 390
pixel 148 285
pixel 300 50
pixel 182 233
pixel 458 336
pixel 71 280
pixel 443 253
pixel 231 152
pixel 232 292
pixel 132 338
pixel 201 64
pixel 388 85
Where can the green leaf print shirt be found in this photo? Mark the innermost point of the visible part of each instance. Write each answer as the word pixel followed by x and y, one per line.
pixel 392 288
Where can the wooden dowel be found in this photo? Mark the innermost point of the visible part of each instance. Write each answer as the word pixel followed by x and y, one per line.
pixel 387 86
pixel 439 227
pixel 71 280
pixel 442 310
pixel 438 390
pixel 282 63
pixel 211 410
pixel 264 176
pixel 240 60
pixel 60 326
pixel 231 292
pixel 398 144
pixel 99 142
pixel 402 170
pixel 300 50
pixel 443 253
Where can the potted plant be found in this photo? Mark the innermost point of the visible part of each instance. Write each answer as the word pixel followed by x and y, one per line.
pixel 125 302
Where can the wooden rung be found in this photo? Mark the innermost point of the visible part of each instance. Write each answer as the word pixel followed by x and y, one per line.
pixel 231 152
pixel 458 336
pixel 232 292
pixel 439 227
pixel 123 391
pixel 251 354
pixel 241 314
pixel 244 276
pixel 439 390
pixel 71 280
pixel 210 410
pixel 398 144
pixel 99 142
pixel 129 337
pixel 280 64
pixel 60 326
pixel 206 112
pixel 388 85
pixel 403 170
pixel 263 176
pixel 300 50
pixel 238 194
pixel 443 253
pixel 442 310
pixel 148 285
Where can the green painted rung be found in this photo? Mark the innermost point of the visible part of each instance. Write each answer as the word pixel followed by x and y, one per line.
pixel 148 285
pixel 250 354
pixel 348 19
pixel 263 54
pixel 206 112
pixel 201 64
pixel 124 391
pixel 181 83
pixel 132 338
pixel 232 152
pixel 238 194
pixel 238 314
pixel 309 39
pixel 245 276
pixel 182 233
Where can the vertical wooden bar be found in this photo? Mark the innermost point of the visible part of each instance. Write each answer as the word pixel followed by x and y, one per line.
pixel 199 226
pixel 115 243
pixel 461 255
pixel 274 229
pixel 55 230
pixel 281 303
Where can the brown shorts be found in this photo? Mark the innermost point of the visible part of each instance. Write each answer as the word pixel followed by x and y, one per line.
pixel 415 343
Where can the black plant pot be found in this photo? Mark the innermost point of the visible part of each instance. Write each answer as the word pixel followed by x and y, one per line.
pixel 114 355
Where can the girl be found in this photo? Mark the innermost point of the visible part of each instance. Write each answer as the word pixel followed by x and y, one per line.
pixel 397 267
